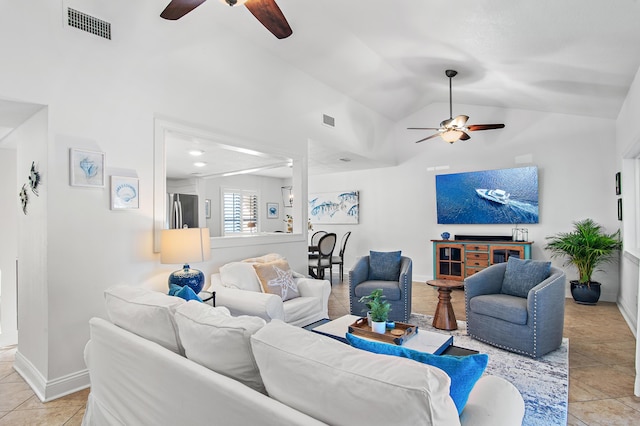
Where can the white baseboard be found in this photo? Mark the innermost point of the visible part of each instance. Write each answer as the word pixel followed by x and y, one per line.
pixel 48 390
pixel 629 318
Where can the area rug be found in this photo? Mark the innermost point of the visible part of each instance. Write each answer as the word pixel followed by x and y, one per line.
pixel 543 382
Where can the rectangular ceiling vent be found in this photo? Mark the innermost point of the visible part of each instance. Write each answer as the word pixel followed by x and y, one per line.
pixel 327 120
pixel 88 23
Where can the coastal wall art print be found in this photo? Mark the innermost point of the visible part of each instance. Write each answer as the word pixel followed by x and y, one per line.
pixel 488 197
pixel 334 207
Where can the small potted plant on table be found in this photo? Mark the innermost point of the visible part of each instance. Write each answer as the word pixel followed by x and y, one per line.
pixel 586 247
pixel 378 310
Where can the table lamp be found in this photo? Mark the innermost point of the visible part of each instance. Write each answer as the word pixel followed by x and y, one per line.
pixel 185 246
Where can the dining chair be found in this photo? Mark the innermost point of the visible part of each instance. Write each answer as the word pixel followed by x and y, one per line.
pixel 315 238
pixel 339 259
pixel 326 244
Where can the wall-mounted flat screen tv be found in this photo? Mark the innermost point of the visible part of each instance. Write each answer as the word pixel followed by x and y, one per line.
pixel 488 197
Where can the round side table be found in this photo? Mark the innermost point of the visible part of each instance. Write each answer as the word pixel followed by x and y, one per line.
pixel 445 318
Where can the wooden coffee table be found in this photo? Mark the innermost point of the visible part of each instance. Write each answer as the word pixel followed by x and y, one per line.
pixel 445 318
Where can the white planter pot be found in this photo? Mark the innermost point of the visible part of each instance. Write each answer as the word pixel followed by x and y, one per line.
pixel 379 327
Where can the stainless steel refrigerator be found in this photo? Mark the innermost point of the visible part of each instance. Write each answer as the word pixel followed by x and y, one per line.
pixel 182 211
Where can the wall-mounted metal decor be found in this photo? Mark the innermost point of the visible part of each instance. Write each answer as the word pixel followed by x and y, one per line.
pixel 34 178
pixel 24 198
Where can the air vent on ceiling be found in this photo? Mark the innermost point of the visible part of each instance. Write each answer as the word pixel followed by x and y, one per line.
pixel 88 23
pixel 327 120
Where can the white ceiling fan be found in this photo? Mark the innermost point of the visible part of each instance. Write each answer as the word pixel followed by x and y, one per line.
pixel 455 129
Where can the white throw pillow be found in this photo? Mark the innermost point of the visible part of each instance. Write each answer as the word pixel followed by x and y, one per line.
pixel 240 275
pixel 147 313
pixel 340 385
pixel 220 342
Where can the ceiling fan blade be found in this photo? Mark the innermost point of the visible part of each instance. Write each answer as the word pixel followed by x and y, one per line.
pixel 270 15
pixel 428 137
pixel 459 121
pixel 474 127
pixel 423 128
pixel 464 137
pixel 178 8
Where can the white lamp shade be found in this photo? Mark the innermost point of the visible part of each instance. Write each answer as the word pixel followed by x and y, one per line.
pixel 451 136
pixel 189 245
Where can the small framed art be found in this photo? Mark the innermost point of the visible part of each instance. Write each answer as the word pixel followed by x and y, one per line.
pixel 86 168
pixel 619 208
pixel 124 193
pixel 207 208
pixel 273 210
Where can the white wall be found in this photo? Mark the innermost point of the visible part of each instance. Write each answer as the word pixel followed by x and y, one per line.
pixel 576 165
pixel 627 153
pixel 103 95
pixel 8 247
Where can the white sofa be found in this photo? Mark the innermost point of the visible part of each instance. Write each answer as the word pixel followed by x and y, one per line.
pixel 238 288
pixel 308 379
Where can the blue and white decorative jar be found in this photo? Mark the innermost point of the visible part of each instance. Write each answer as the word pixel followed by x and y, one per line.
pixel 445 235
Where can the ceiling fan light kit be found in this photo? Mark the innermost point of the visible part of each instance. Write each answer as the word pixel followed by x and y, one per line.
pixel 265 11
pixel 455 129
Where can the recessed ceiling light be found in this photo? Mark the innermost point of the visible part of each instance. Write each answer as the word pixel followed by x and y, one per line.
pixel 196 152
pixel 199 164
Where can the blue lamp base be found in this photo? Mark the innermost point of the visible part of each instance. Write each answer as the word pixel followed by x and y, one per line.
pixel 189 277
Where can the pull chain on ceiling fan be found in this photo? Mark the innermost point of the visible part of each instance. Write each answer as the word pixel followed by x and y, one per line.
pixel 455 129
pixel 265 11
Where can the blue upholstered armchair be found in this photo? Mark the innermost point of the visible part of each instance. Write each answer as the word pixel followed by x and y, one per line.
pixel 516 306
pixel 369 274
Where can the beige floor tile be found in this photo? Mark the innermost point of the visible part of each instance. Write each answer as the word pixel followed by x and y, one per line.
pixel 76 420
pixel 631 401
pixel 573 421
pixel 14 394
pixel 56 416
pixel 613 381
pixel 76 399
pixel 580 392
pixel 13 377
pixel 605 412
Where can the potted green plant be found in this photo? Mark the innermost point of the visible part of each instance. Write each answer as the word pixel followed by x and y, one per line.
pixel 377 310
pixel 587 247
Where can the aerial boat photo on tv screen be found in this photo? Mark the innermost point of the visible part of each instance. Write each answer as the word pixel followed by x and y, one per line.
pixel 488 197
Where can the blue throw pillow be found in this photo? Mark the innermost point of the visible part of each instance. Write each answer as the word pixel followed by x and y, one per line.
pixel 185 292
pixel 464 371
pixel 384 266
pixel 522 275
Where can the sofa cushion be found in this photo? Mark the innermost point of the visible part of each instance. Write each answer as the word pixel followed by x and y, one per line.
pixel 521 275
pixel 276 278
pixel 220 342
pixel 240 275
pixel 464 371
pixel 147 313
pixel 266 258
pixel 341 385
pixel 384 266
pixel 508 308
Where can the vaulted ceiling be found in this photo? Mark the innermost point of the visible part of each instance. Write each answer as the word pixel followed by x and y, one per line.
pixel 570 56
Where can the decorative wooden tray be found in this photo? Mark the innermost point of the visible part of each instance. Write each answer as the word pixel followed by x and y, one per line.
pixel 398 335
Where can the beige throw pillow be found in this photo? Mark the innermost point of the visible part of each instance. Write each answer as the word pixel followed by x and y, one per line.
pixel 276 278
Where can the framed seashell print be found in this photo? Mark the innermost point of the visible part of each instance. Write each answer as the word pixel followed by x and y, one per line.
pixel 86 168
pixel 124 193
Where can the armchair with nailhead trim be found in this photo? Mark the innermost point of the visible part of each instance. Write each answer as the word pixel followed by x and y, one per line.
pixel 530 325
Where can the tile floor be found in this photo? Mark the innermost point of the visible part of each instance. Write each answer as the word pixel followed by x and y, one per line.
pixel 601 367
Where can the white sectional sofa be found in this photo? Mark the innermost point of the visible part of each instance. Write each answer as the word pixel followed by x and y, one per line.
pixel 163 361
